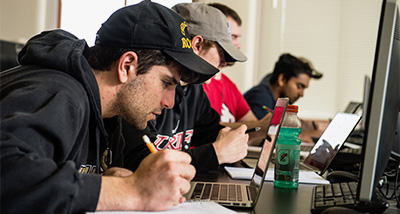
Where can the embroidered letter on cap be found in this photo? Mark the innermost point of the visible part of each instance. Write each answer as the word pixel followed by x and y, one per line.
pixel 183 26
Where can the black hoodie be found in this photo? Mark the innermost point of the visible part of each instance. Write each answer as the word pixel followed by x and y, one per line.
pixel 51 128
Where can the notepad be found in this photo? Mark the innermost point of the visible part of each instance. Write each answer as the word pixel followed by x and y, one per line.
pixel 305 176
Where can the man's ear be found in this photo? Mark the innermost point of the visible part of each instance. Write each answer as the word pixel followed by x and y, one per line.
pixel 281 80
pixel 197 43
pixel 127 66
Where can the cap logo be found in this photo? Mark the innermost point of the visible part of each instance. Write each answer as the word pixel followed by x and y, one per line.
pixel 186 43
pixel 183 26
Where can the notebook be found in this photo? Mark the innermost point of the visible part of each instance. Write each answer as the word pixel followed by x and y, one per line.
pixel 330 142
pixel 242 195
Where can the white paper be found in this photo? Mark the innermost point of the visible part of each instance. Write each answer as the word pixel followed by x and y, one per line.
pixel 195 207
pixel 305 176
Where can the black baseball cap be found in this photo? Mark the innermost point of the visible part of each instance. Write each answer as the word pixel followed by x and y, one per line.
pixel 149 25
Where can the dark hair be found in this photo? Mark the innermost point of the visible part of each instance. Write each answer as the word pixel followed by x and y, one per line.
pixel 102 58
pixel 227 12
pixel 290 66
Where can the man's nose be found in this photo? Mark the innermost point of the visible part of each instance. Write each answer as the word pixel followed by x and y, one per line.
pixel 301 93
pixel 169 99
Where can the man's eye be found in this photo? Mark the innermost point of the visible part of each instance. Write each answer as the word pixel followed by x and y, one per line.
pixel 166 84
pixel 300 87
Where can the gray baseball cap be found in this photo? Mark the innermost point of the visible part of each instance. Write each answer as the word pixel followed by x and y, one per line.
pixel 211 24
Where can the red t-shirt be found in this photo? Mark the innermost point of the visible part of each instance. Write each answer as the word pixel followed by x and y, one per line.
pixel 226 99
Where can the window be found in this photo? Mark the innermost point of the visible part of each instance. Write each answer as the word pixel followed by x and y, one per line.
pixel 84 17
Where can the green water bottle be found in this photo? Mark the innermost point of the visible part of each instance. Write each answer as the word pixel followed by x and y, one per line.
pixel 287 156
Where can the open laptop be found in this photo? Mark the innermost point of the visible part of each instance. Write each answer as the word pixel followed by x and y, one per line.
pixel 242 195
pixel 321 154
pixel 330 142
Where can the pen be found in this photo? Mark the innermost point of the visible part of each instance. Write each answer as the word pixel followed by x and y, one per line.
pixel 268 109
pixel 149 144
pixel 252 130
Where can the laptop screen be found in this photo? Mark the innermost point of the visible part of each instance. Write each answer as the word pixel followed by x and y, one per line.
pixel 267 149
pixel 331 140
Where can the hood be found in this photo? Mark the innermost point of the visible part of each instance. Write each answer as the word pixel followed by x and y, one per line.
pixel 58 50
pixel 62 51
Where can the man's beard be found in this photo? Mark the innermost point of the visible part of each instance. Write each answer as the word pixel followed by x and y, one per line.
pixel 131 105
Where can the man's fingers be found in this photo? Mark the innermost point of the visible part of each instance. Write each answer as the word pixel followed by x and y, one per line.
pixel 175 156
pixel 242 128
pixel 185 171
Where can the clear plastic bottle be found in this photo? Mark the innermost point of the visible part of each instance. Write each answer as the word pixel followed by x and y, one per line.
pixel 287 157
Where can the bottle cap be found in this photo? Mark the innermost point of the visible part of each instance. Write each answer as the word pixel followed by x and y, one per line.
pixel 292 108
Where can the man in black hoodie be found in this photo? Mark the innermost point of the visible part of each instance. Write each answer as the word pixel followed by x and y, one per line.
pixel 192 125
pixel 59 153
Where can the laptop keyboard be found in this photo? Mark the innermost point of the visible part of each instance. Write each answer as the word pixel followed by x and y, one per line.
pixel 221 192
pixel 335 194
pixel 343 194
pixel 356 151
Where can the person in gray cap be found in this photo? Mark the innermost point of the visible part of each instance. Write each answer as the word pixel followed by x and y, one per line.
pixel 223 93
pixel 61 112
pixel 192 125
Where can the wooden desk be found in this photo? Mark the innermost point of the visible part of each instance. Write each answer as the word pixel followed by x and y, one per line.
pixel 312 128
pixel 275 200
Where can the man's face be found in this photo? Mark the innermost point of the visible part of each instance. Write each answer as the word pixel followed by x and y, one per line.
pixel 147 94
pixel 294 88
pixel 214 56
pixel 236 32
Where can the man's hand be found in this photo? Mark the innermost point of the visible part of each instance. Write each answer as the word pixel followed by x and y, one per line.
pixel 158 184
pixel 231 145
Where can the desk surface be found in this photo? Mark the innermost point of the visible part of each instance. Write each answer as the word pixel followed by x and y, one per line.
pixel 275 200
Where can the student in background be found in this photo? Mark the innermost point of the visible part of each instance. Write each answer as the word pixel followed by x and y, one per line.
pixel 192 122
pixel 224 95
pixel 57 152
pixel 291 76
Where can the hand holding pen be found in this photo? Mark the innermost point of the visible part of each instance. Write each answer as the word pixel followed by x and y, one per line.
pixel 175 170
pixel 253 130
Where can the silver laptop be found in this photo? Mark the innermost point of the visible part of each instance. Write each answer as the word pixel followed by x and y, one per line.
pixel 242 195
pixel 335 135
pixel 328 145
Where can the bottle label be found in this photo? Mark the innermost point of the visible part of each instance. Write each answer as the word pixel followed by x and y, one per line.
pixel 287 166
pixel 283 156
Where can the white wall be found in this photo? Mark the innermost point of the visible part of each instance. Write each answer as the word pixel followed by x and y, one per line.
pixel 339 37
pixel 22 19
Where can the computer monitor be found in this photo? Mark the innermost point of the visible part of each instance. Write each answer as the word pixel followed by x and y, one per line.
pixel 8 54
pixel 383 103
pixel 367 87
pixel 396 145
